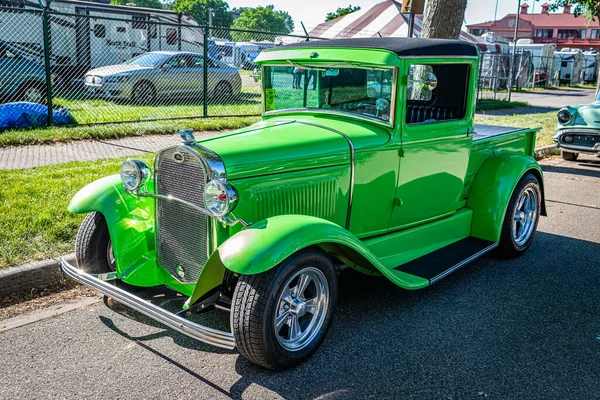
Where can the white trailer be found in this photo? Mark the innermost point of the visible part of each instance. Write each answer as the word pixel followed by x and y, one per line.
pixel 571 63
pixel 589 72
pixel 87 35
pixel 541 58
pixel 239 54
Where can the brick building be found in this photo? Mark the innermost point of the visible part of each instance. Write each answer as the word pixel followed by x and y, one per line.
pixel 563 29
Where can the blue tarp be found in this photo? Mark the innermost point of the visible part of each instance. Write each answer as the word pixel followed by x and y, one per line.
pixel 25 114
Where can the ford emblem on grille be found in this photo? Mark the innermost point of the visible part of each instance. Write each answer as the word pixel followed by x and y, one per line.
pixel 178 157
pixel 180 271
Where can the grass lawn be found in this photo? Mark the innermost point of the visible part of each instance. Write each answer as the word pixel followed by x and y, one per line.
pixel 34 221
pixel 113 131
pixel 547 121
pixel 489 105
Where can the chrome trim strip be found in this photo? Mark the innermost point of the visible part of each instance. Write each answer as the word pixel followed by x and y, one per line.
pixel 229 219
pixel 204 334
pixel 581 149
pixel 351 145
pixel 581 131
pixel 463 263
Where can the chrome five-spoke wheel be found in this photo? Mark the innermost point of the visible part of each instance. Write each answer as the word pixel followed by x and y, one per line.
pixel 521 219
pixel 525 216
pixel 301 308
pixel 280 317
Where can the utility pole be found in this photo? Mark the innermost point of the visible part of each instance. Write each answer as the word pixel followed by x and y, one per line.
pixel 496 11
pixel 514 52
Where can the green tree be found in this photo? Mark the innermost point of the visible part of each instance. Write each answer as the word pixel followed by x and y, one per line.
pixel 199 10
pixel 139 3
pixel 588 8
pixel 264 19
pixel 340 12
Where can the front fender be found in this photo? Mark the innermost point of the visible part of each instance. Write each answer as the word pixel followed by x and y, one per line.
pixel 130 221
pixel 492 189
pixel 267 243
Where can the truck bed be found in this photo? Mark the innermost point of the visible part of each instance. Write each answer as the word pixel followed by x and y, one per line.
pixel 489 131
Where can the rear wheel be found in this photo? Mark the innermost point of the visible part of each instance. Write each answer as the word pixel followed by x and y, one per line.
pixel 567 155
pixel 521 219
pixel 223 91
pixel 280 317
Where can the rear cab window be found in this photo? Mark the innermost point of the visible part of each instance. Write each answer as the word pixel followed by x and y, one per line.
pixel 436 92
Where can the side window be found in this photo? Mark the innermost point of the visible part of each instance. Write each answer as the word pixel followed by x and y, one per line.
pixel 197 62
pixel 437 92
pixel 2 52
pixel 99 31
pixel 121 29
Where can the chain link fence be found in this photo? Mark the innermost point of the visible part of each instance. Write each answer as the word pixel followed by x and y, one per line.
pixel 84 65
pixel 531 72
pixel 87 68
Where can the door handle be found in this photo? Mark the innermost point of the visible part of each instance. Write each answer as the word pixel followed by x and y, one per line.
pixel 471 132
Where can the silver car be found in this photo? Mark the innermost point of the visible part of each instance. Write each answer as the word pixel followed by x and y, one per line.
pixel 160 74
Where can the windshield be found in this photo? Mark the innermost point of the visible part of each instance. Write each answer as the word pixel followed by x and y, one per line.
pixel 148 60
pixel 361 91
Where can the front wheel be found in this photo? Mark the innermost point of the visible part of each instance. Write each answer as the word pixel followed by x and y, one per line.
pixel 568 156
pixel 93 247
pixel 521 219
pixel 280 317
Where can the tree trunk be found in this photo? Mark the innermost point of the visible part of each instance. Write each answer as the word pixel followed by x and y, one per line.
pixel 443 19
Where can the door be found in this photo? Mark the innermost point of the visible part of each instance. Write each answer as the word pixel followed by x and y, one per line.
pixel 436 122
pixel 179 75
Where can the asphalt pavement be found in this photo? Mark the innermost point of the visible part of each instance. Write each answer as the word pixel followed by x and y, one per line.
pixel 503 329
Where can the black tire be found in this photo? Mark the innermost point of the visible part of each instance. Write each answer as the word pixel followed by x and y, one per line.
pixel 510 246
pixel 255 304
pixel 568 156
pixel 92 245
pixel 24 92
pixel 223 91
pixel 143 93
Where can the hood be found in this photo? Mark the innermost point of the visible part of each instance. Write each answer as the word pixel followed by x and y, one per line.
pixel 116 69
pixel 279 145
pixel 584 116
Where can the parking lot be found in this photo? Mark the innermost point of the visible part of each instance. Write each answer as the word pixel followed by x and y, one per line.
pixel 506 329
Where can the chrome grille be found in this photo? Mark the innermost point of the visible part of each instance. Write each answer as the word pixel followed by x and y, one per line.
pixel 182 232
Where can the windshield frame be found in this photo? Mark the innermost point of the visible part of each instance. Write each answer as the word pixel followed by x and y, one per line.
pixel 388 124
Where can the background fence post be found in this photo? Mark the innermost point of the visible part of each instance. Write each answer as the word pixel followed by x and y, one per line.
pixel 205 71
pixel 47 51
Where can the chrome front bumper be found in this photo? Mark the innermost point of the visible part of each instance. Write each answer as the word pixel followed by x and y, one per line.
pixel 207 335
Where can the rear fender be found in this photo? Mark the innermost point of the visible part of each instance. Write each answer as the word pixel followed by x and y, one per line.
pixel 265 244
pixel 491 191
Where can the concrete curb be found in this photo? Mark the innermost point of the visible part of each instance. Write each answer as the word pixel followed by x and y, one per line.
pixel 35 274
pixel 546 151
pixel 47 272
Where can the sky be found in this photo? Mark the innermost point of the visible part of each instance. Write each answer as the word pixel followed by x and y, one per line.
pixel 313 12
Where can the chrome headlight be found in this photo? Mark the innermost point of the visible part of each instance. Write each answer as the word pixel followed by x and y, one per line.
pixel 220 198
pixel 134 174
pixel 564 117
pixel 568 139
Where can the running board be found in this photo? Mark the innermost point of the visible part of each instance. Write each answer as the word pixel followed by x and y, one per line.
pixel 441 263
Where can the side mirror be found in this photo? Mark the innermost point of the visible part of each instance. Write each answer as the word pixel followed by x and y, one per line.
pixel 256 75
pixel 428 82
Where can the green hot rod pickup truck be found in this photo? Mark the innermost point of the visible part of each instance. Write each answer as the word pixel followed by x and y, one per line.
pixel 379 168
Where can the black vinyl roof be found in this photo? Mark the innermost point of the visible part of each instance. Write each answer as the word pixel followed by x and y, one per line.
pixel 401 46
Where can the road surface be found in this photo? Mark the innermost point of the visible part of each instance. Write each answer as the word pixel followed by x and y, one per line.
pixel 510 329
